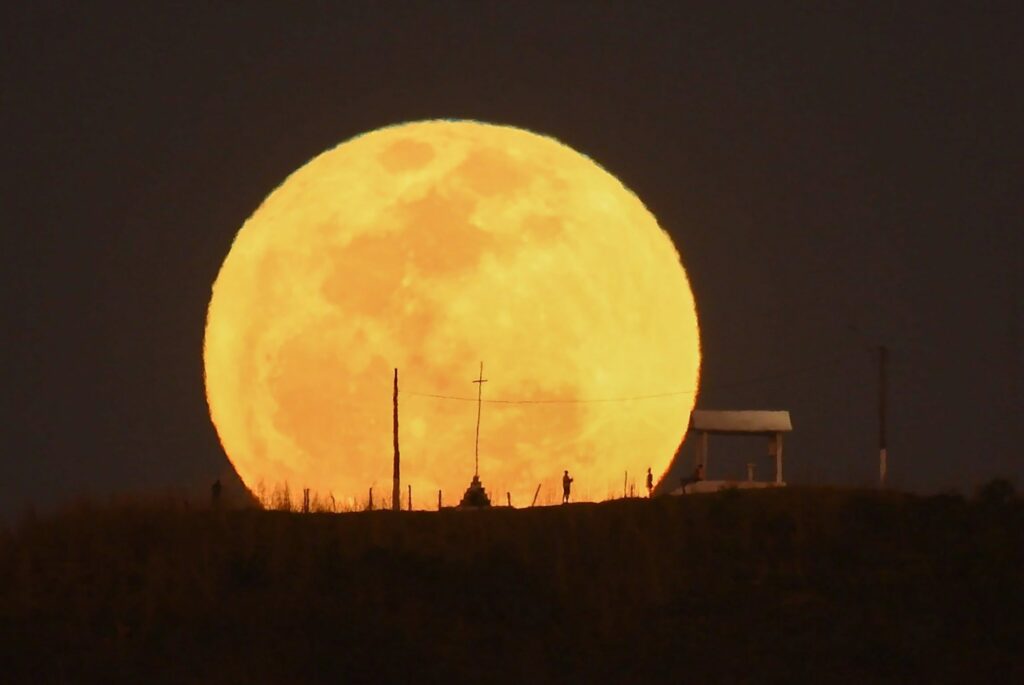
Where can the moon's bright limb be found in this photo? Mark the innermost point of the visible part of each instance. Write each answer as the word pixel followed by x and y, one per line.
pixel 429 247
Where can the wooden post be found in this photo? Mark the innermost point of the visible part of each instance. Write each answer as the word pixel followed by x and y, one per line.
pixel 508 498
pixel 535 493
pixel 410 498
pixel 439 500
pixel 883 452
pixel 396 489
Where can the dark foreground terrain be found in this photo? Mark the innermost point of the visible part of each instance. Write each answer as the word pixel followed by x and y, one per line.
pixel 771 586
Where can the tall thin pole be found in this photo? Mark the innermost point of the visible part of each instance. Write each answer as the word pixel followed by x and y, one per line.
pixel 479 403
pixel 883 383
pixel 396 489
pixel 1016 375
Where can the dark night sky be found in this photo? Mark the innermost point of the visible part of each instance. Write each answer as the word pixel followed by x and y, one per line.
pixel 835 179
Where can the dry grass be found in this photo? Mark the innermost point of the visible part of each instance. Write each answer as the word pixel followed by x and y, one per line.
pixel 827 585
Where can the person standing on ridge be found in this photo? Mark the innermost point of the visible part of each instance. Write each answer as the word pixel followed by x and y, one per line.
pixel 566 487
pixel 650 483
pixel 698 476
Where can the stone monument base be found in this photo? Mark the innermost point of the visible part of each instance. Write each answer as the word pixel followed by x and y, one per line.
pixel 475 495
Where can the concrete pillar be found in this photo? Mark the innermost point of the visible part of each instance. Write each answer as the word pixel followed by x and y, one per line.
pixel 778 458
pixel 702 451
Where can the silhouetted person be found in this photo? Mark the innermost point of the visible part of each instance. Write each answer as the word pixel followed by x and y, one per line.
pixel 698 476
pixel 215 494
pixel 566 487
pixel 650 482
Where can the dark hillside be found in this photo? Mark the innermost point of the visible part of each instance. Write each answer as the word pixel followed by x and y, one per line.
pixel 769 586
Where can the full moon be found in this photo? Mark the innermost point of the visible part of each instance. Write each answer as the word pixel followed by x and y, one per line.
pixel 430 247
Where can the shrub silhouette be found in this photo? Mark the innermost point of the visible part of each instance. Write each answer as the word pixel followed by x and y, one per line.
pixel 998 492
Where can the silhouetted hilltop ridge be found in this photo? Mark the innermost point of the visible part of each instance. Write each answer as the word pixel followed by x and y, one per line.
pixel 759 586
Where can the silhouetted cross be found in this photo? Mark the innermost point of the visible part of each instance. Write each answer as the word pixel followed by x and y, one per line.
pixel 479 402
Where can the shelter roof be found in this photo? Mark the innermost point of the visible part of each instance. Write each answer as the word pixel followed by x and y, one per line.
pixel 751 422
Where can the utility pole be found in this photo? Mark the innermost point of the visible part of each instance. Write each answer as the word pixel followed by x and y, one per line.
pixel 479 403
pixel 883 456
pixel 396 490
pixel 1015 287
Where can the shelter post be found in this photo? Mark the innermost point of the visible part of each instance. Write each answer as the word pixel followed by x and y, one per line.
pixel 702 452
pixel 778 458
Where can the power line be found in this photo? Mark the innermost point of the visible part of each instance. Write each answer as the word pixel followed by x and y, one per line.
pixel 633 398
pixel 553 401
pixel 778 376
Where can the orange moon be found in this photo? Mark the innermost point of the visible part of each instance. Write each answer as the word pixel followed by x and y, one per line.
pixel 428 247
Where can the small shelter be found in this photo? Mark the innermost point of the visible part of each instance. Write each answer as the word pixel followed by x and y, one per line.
pixel 771 424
